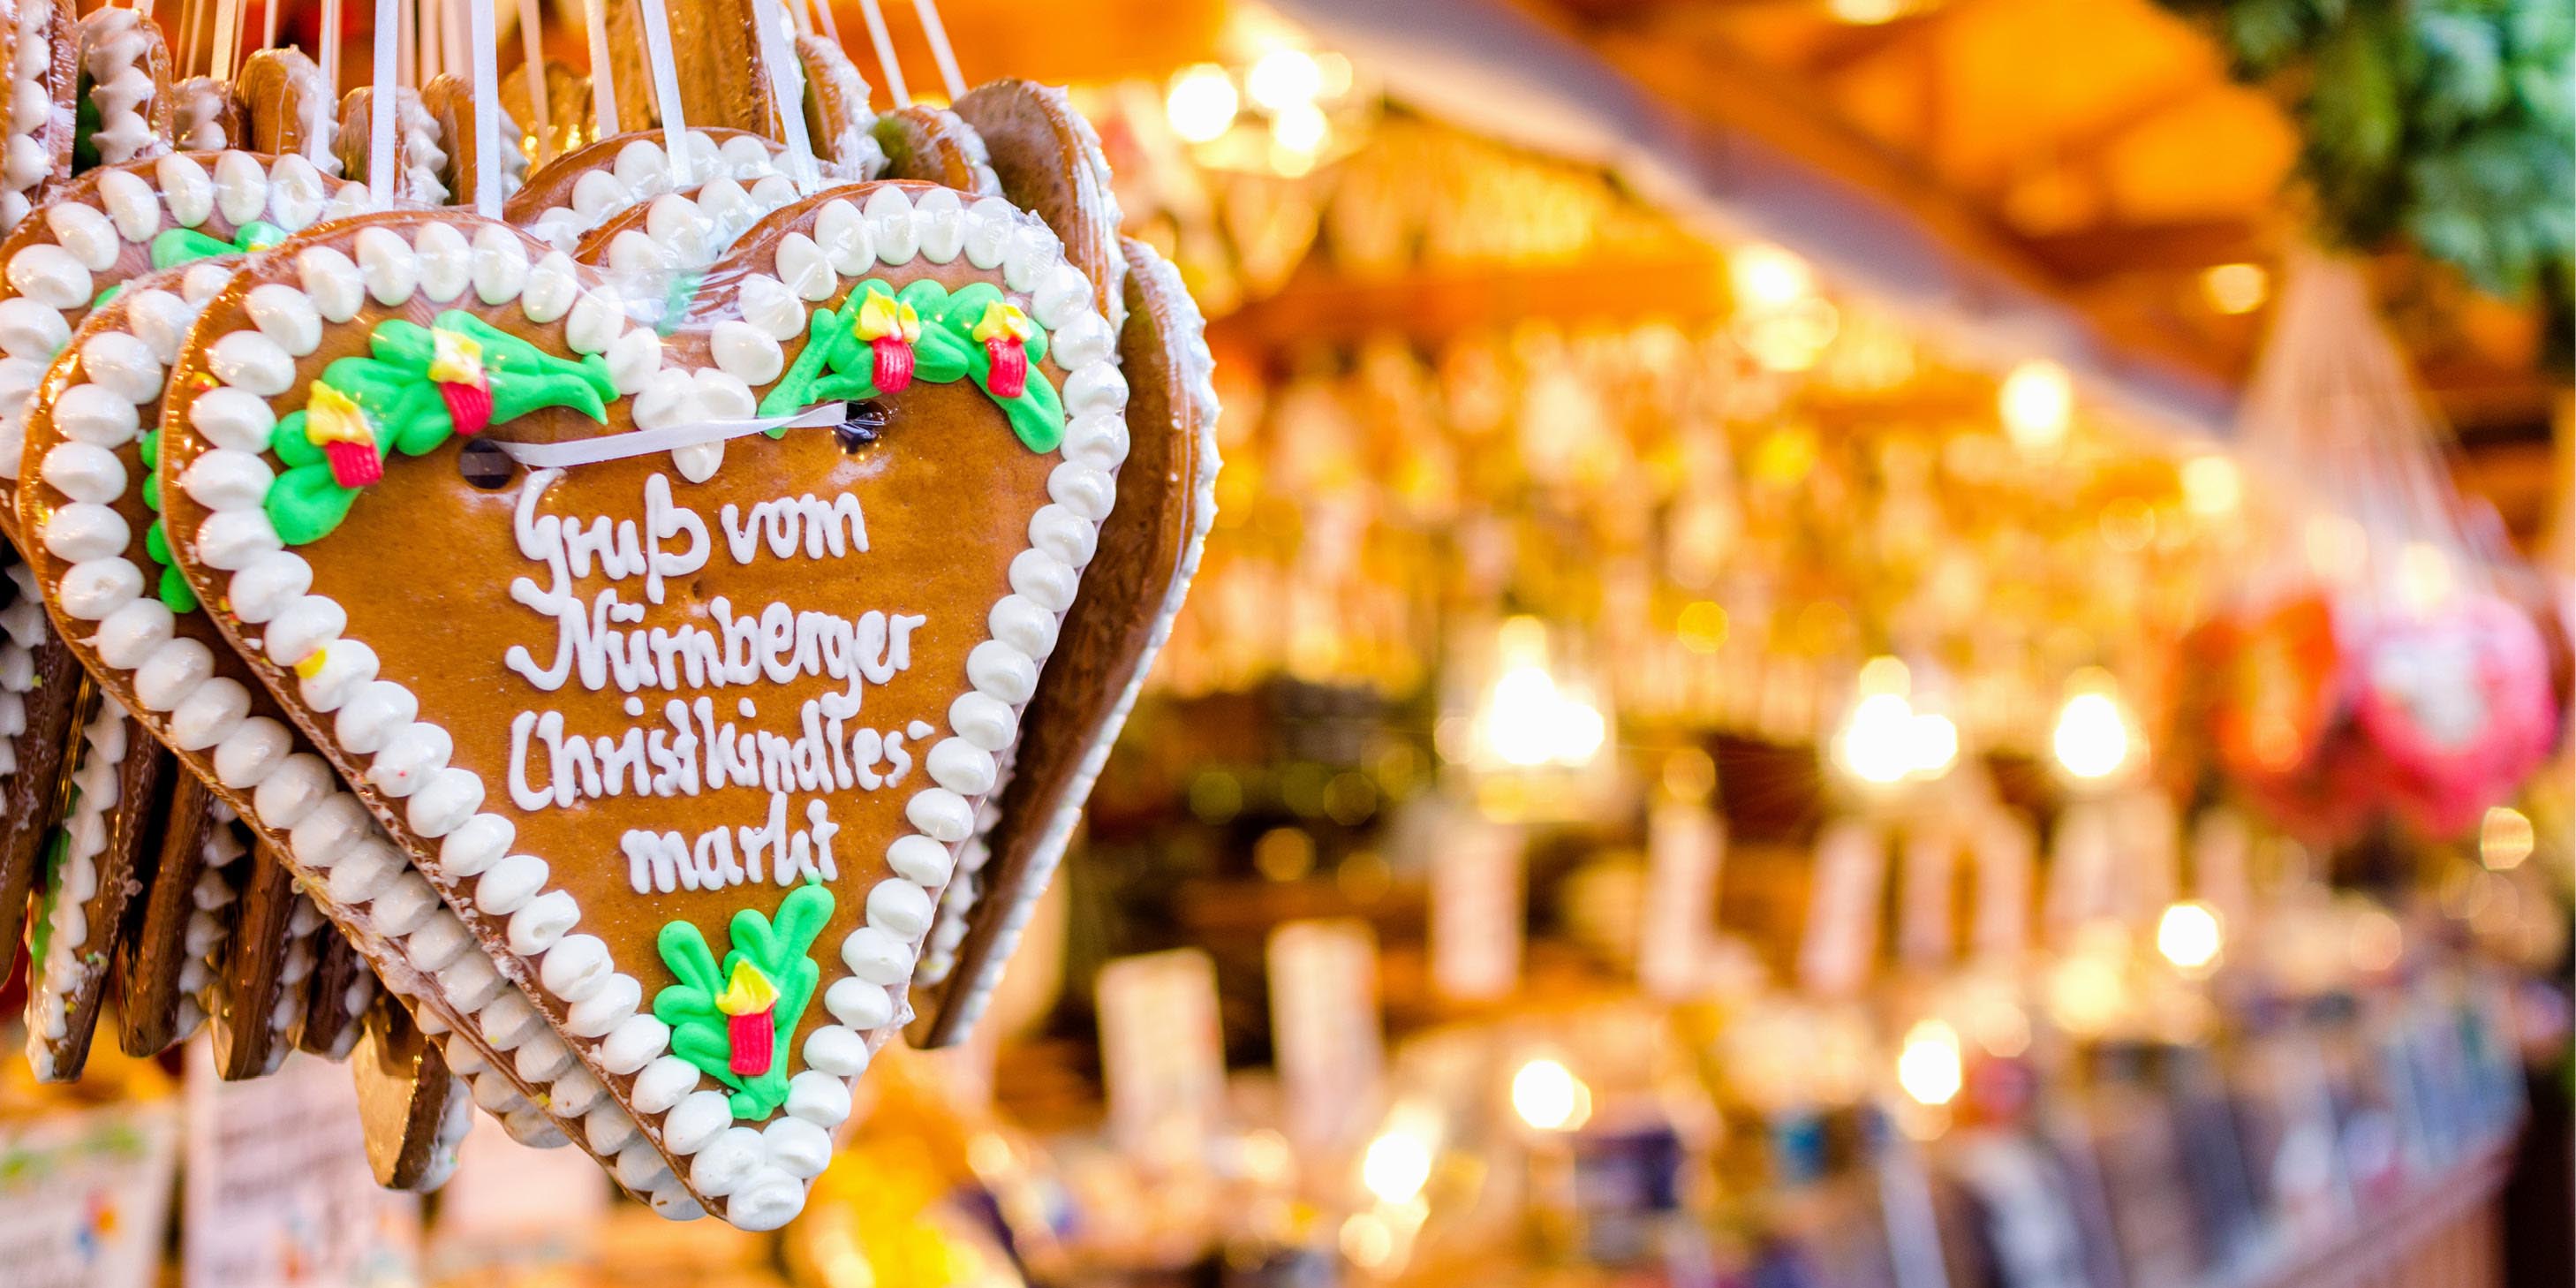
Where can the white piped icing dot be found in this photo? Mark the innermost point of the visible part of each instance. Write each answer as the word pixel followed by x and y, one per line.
pixel 251 753
pixel 694 1123
pixel 500 265
pixel 96 587
pixel 227 479
pixel 372 714
pixel 595 320
pixel 889 216
pixel 363 871
pixel 818 1097
pixel 508 885
pixel 404 906
pixel 536 927
pixel 574 1092
pixel 209 714
pixel 470 981
pixel 608 1128
pixel 285 315
pixel 51 276
pixel 292 790
pixel 639 1166
pixel 799 1147
pixel 231 539
pixel 662 1084
pixel 411 756
pixel 231 418
pixel 251 361
pixel 747 353
pixel 131 633
pixel 508 1021
pixel 635 1042
pixel 31 331
pixel 988 231
pixel 131 203
pixel 901 908
pixel 877 957
pixel 765 303
pixel 438 943
pixel 1004 672
pixel 836 1051
pixel 297 192
pixel 919 859
pixel 86 232
pixel 962 767
pixel 333 283
pixel 842 232
pixel 541 1059
pixel 185 190
pixel 446 262
pixel 1045 579
pixel 268 585
pixel 346 665
pixel 634 358
pixel 443 801
pixel 302 626
pixel 241 187
pixel 1063 295
pixel 1020 622
pixel 724 1162
pixel 328 830
pixel 858 1003
pixel 386 261
pixel 576 968
pixel 552 286
pixel 604 1010
pixel 803 269
pixel 984 720
pixel 939 220
pixel 473 848
pixel 85 530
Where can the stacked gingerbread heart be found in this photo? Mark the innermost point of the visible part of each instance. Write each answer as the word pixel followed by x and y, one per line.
pixel 658 613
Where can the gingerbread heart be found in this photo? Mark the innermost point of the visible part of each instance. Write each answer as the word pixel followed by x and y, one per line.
pixel 718 908
pixel 94 508
pixel 40 684
pixel 91 876
pixel 44 74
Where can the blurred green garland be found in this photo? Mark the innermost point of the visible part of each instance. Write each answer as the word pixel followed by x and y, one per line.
pixel 2451 123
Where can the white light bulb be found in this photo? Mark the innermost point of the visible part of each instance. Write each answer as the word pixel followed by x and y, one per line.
pixel 1201 103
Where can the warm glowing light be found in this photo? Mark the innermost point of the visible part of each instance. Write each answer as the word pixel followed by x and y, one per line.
pixel 2036 401
pixel 1886 674
pixel 1932 744
pixel 1366 1240
pixel 1201 103
pixel 1529 719
pixel 2092 738
pixel 2235 289
pixel 1768 278
pixel 1877 744
pixel 2189 935
pixel 2504 838
pixel 1549 1097
pixel 1300 127
pixel 2212 486
pixel 1284 79
pixel 1868 12
pixel 1928 1066
pixel 2337 547
pixel 1396 1167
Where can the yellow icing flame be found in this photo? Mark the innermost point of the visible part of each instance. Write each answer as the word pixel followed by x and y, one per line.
pixel 331 416
pixel 1003 322
pixel 748 993
pixel 884 316
pixel 455 359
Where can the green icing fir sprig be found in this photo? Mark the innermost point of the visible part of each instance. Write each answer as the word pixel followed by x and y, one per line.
pixel 736 1023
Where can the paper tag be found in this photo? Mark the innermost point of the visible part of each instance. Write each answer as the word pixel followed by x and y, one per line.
pixel 1476 910
pixel 1162 1053
pixel 509 1204
pixel 1324 1025
pixel 85 1195
pixel 1685 852
pixel 1842 910
pixel 1923 896
pixel 2005 849
pixel 278 1189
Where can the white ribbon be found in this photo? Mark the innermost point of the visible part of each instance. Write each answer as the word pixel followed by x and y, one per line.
pixel 886 64
pixel 787 85
pixel 645 442
pixel 937 31
pixel 380 104
pixel 666 91
pixel 532 63
pixel 603 86
pixel 484 41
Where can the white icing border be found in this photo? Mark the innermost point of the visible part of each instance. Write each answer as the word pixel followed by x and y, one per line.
pixel 28 159
pixel 1199 388
pixel 641 171
pixel 97 785
pixel 210 918
pixel 22 632
pixel 763 1172
pixel 114 53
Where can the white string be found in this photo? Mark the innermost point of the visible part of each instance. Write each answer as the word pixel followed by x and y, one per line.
pixel 483 41
pixel 330 41
pixel 227 36
pixel 645 442
pixel 886 65
pixel 268 23
pixel 938 34
pixel 831 25
pixel 532 64
pixel 454 58
pixel 802 16
pixel 666 91
pixel 428 59
pixel 603 84
pixel 787 85
pixel 380 103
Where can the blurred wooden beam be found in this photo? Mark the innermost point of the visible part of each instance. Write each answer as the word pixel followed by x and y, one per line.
pixel 2118 250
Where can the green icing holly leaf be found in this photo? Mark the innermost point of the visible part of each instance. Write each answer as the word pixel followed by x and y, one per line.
pixel 779 949
pixel 392 386
pixel 837 366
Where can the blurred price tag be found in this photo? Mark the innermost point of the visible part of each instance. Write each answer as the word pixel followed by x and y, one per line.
pixel 1324 1022
pixel 1685 850
pixel 279 1194
pixel 1163 1054
pixel 85 1195
pixel 1842 910
pixel 1476 911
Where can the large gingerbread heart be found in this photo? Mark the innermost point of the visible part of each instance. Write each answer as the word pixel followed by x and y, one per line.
pixel 683 711
pixel 104 397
